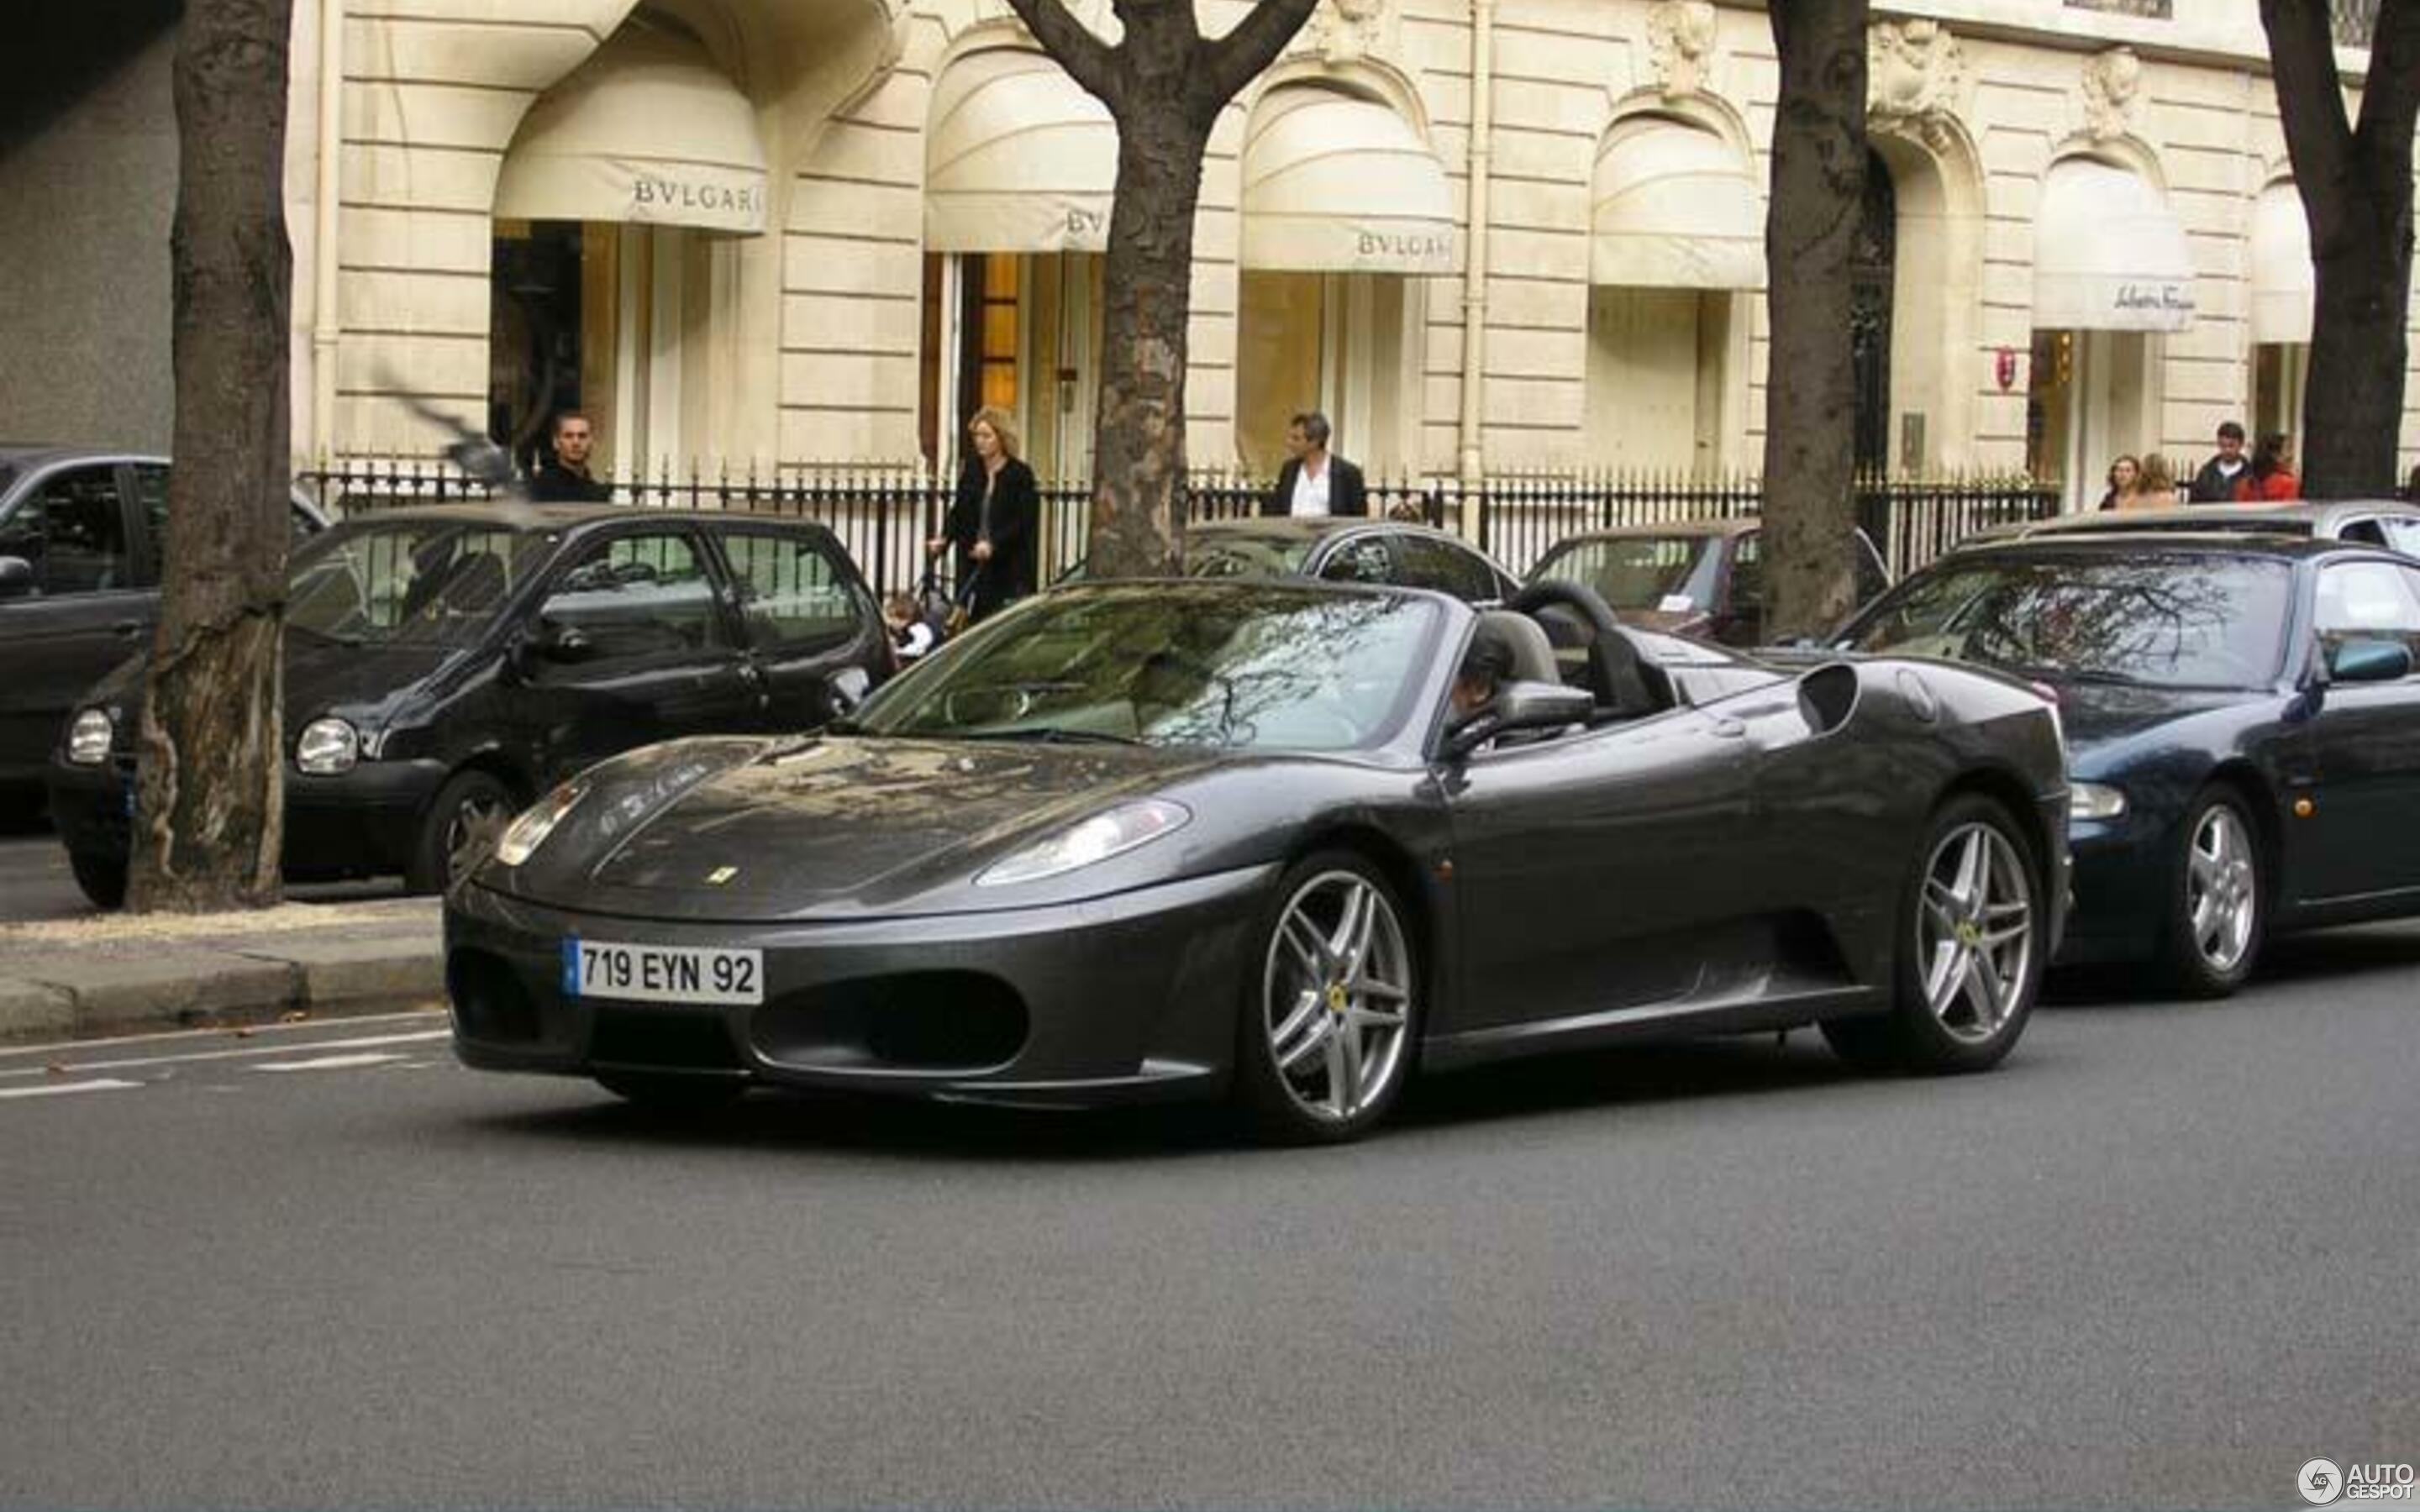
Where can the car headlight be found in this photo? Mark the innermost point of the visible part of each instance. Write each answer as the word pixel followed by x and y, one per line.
pixel 89 738
pixel 1113 832
pixel 328 747
pixel 527 832
pixel 2094 800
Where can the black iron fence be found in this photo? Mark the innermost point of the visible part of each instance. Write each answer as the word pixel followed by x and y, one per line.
pixel 884 514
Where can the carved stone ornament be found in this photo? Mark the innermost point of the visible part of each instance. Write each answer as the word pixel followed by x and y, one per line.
pixel 1681 42
pixel 2113 94
pixel 1350 29
pixel 1914 73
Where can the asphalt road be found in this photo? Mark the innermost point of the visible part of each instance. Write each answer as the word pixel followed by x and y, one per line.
pixel 2161 1258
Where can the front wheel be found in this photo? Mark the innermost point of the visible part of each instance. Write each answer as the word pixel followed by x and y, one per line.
pixel 1327 1037
pixel 2213 924
pixel 1970 957
pixel 102 877
pixel 460 829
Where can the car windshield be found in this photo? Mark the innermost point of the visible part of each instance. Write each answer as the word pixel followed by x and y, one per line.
pixel 1245 554
pixel 2168 620
pixel 1201 664
pixel 1667 574
pixel 409 581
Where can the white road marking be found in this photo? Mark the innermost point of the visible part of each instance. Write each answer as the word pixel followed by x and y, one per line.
pixel 410 1015
pixel 329 1063
pixel 362 1042
pixel 56 1088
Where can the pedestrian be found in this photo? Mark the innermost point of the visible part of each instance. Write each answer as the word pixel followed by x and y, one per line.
pixel 1313 482
pixel 911 633
pixel 2155 484
pixel 2121 477
pixel 992 518
pixel 2215 482
pixel 2271 477
pixel 565 477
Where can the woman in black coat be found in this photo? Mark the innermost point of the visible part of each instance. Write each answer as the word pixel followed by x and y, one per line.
pixel 993 520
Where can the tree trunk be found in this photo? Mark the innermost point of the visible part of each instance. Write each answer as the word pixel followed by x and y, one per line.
pixel 1819 177
pixel 209 805
pixel 2355 184
pixel 1138 456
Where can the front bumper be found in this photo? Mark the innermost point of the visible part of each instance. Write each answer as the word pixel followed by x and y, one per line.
pixel 1128 998
pixel 2122 877
pixel 360 823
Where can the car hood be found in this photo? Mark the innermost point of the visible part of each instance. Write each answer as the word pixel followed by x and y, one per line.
pixel 833 827
pixel 321 676
pixel 2096 714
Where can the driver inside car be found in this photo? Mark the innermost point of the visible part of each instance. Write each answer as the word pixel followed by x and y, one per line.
pixel 1484 666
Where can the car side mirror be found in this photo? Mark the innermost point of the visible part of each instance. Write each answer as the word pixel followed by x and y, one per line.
pixel 546 641
pixel 17 578
pixel 2370 661
pixel 1519 706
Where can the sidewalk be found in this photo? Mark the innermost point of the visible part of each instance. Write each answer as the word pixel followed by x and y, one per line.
pixel 121 973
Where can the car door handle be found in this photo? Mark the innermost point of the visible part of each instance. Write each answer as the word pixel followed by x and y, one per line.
pixel 127 629
pixel 1726 726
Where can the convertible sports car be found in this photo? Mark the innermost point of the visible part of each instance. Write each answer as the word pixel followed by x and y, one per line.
pixel 1287 842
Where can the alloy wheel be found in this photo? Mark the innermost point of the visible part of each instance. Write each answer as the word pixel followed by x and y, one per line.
pixel 1975 931
pixel 1337 997
pixel 478 823
pixel 2222 895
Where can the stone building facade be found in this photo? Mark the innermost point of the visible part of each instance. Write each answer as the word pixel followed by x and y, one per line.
pixel 750 232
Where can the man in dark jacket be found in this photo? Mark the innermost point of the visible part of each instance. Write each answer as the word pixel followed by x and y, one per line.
pixel 1312 483
pixel 2215 482
pixel 565 477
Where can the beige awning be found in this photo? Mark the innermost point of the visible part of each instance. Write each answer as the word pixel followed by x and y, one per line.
pixel 2109 253
pixel 649 130
pixel 1017 158
pixel 2283 285
pixel 1337 183
pixel 1673 206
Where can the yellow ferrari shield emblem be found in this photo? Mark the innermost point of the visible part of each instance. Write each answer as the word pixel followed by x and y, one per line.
pixel 719 875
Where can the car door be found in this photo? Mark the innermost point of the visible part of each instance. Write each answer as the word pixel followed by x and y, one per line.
pixel 2365 740
pixel 807 616
pixel 85 613
pixel 632 643
pixel 1594 869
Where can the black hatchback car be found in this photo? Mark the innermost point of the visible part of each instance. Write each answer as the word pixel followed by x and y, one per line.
pixel 2243 722
pixel 446 665
pixel 80 535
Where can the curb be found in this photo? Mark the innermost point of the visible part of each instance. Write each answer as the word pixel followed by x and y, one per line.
pixel 112 976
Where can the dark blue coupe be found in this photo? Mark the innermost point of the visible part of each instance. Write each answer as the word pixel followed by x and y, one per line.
pixel 2242 720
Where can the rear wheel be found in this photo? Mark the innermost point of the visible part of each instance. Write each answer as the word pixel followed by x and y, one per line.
pixel 671 1092
pixel 459 830
pixel 102 877
pixel 1970 959
pixel 2216 911
pixel 1326 1038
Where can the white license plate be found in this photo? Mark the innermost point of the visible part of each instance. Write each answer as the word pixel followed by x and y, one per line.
pixel 661 973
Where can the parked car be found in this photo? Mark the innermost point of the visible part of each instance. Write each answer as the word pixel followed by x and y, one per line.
pixel 1701 578
pixel 446 665
pixel 80 535
pixel 1155 840
pixel 1341 550
pixel 2242 720
pixel 2388 522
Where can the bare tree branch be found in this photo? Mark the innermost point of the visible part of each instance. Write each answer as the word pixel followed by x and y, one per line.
pixel 1088 61
pixel 1234 60
pixel 2310 100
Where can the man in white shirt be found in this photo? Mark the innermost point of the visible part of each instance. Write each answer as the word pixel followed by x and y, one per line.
pixel 1314 482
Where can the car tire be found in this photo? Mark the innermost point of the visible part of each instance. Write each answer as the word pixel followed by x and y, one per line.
pixel 670 1091
pixel 1968 966
pixel 1329 1026
pixel 102 877
pixel 2217 906
pixel 460 827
